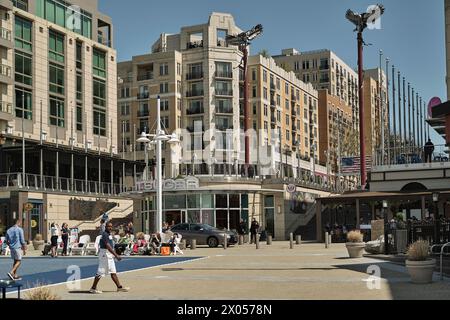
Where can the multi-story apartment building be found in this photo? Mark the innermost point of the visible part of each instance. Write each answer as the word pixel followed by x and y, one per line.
pixel 58 119
pixel 199 79
pixel 375 117
pixel 324 70
pixel 282 104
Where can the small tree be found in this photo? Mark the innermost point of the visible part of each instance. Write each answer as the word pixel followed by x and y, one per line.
pixel 265 53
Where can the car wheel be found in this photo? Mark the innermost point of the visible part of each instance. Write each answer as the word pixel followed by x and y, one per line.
pixel 213 242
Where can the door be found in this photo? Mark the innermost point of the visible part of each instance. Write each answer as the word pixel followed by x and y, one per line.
pixel 36 220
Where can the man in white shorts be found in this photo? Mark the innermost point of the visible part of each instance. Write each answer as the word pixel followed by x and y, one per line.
pixel 106 264
pixel 16 242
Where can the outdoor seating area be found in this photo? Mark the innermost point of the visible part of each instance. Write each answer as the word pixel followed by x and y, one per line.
pixel 148 245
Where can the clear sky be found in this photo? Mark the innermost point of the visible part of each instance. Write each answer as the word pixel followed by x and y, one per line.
pixel 412 34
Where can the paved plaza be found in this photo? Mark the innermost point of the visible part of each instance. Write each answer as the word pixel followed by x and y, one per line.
pixel 307 272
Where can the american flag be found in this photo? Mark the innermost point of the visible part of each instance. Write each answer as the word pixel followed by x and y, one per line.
pixel 352 165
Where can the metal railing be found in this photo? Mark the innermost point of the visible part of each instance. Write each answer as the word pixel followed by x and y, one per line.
pixel 194 75
pixel 406 155
pixel 194 93
pixel 145 76
pixel 17 181
pixel 221 92
pixel 143 95
pixel 143 113
pixel 224 74
pixel 224 109
pixel 195 110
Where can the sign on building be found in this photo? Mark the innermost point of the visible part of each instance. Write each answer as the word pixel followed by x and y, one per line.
pixel 189 183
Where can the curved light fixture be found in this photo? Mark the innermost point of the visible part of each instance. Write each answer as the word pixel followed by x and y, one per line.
pixel 143 138
pixel 174 139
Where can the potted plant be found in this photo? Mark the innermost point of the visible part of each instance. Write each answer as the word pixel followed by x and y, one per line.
pixel 38 243
pixel 355 244
pixel 419 264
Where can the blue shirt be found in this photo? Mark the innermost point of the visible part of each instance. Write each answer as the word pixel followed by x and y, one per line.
pixel 106 238
pixel 15 237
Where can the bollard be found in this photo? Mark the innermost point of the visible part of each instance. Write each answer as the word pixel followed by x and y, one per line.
pixel 330 241
pixel 225 244
pixel 183 244
pixel 193 244
pixel 291 240
pixel 327 238
pixel 299 239
pixel 241 240
pixel 269 240
pixel 257 241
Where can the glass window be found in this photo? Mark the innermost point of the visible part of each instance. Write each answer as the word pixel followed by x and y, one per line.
pixel 99 93
pixel 193 216
pixel 23 31
pixel 193 201
pixel 269 202
pixel 174 202
pixel 56 46
pixel 24 106
pixel 234 201
pixel 208 217
pixel 221 201
pixel 207 201
pixel 79 55
pixel 57 112
pixel 99 67
pixel 56 78
pixel 23 71
pixel 79 86
pixel 99 122
pixel 79 117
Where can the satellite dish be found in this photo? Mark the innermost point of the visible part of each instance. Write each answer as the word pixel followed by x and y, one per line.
pixel 433 103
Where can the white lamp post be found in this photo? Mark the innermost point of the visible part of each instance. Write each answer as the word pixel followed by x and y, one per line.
pixel 158 139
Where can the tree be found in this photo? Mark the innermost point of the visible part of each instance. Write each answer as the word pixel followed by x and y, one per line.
pixel 265 53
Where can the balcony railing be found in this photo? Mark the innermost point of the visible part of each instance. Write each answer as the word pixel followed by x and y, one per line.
pixel 6 107
pixel 222 127
pixel 194 93
pixel 224 74
pixel 195 129
pixel 5 34
pixel 5 70
pixel 221 92
pixel 18 181
pixel 143 113
pixel 194 44
pixel 194 75
pixel 195 110
pixel 143 95
pixel 225 110
pixel 145 76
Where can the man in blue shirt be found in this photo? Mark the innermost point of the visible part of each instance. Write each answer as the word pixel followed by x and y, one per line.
pixel 106 265
pixel 16 242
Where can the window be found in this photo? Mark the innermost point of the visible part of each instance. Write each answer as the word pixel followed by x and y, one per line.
pixel 57 111
pixel 79 55
pixel 21 4
pixel 286 88
pixel 254 93
pixel 296 65
pixel 56 46
pixel 287 119
pixel 23 72
pixel 255 108
pixel 125 110
pixel 23 31
pixel 266 125
pixel 278 115
pixel 164 105
pixel 178 68
pixel 286 104
pixel 99 122
pixel 99 112
pixel 79 117
pixel 164 87
pixel 179 86
pixel 278 83
pixel 56 78
pixel 163 69
pixel 99 67
pixel 224 70
pixel 266 110
pixel 288 135
pixel 24 108
pixel 253 74
pixel 165 123
pixel 278 100
pixel 265 93
pixel 264 75
pixel 79 86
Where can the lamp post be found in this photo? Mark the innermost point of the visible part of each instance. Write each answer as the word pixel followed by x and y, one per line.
pixel 386 223
pixel 436 206
pixel 159 137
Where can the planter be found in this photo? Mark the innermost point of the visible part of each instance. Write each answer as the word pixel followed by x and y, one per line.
pixel 355 249
pixel 421 272
pixel 38 245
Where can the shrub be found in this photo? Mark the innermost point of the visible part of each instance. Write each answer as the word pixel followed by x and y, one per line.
pixel 38 237
pixel 418 251
pixel 355 236
pixel 42 294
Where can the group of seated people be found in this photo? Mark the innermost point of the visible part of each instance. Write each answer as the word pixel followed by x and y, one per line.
pixel 150 245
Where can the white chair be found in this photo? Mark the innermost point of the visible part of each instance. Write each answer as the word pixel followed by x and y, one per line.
pixel 177 242
pixel 80 248
pixel 92 248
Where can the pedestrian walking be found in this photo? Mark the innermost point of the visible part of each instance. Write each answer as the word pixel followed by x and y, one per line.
pixel 65 237
pixel 106 264
pixel 54 232
pixel 17 245
pixel 254 228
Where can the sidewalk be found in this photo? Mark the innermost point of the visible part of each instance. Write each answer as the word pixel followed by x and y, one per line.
pixel 309 272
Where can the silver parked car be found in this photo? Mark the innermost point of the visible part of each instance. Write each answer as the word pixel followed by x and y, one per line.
pixel 204 234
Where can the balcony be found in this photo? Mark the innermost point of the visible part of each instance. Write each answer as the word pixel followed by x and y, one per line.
pixel 192 129
pixel 5 74
pixel 194 45
pixel 225 93
pixel 5 34
pixel 143 113
pixel 143 95
pixel 224 74
pixel 194 75
pixel 145 76
pixel 193 110
pixel 224 109
pixel 222 127
pixel 194 93
pixel 6 111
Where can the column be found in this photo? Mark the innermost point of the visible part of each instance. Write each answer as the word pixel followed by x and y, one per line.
pixel 357 214
pixel 319 230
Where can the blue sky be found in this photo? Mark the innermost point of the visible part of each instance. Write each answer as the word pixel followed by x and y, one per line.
pixel 412 34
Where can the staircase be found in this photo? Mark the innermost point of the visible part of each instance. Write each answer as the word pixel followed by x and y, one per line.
pixel 117 222
pixel 301 220
pixel 116 215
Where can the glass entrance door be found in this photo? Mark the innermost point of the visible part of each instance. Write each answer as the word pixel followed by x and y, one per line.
pixel 36 221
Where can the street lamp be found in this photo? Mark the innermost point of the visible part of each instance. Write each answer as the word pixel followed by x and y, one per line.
pixel 386 223
pixel 158 138
pixel 436 207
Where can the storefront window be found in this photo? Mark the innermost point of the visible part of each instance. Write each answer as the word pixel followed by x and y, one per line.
pixel 221 201
pixel 193 216
pixel 207 201
pixel 175 202
pixel 234 201
pixel 208 217
pixel 269 201
pixel 193 201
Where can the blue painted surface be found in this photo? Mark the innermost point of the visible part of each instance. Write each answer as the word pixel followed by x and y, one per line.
pixel 51 271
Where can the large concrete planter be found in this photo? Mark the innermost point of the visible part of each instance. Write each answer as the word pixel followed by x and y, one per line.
pixel 355 249
pixel 38 245
pixel 421 272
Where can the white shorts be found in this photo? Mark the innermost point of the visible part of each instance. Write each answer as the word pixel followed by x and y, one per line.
pixel 106 264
